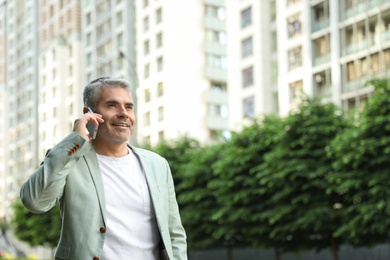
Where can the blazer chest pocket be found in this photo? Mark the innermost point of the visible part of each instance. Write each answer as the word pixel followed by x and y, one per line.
pixel 163 191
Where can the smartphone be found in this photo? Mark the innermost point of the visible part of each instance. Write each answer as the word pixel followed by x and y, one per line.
pixel 92 129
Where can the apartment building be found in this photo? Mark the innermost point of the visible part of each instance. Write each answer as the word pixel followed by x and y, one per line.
pixel 252 60
pixel 20 101
pixel 181 63
pixel 331 48
pixel 2 106
pixel 283 48
pixel 60 70
pixel 108 39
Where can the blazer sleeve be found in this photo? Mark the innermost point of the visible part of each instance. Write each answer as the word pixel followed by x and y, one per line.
pixel 45 186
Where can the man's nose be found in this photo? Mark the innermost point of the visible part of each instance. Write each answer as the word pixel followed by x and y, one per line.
pixel 122 112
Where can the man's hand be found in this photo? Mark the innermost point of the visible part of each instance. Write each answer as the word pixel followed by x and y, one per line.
pixel 80 124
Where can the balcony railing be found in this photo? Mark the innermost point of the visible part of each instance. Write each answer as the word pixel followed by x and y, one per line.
pixel 321 59
pixel 362 8
pixel 320 24
pixel 386 36
pixel 355 47
pixel 361 82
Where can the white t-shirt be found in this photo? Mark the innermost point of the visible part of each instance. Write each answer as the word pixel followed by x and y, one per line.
pixel 131 228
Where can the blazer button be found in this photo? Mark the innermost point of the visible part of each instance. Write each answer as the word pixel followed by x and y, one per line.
pixel 95 258
pixel 102 230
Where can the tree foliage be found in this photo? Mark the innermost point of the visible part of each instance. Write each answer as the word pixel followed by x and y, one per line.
pixel 300 210
pixel 36 229
pixel 361 163
pixel 240 194
pixel 198 202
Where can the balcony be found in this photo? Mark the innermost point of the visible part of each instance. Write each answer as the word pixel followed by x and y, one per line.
pixel 217 117
pixel 361 8
pixel 386 36
pixel 355 47
pixel 360 83
pixel 215 74
pixel 321 59
pixel 324 91
pixel 214 23
pixel 320 24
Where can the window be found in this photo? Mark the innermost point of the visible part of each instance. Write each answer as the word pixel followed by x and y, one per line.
pixel 249 107
pixel 247 77
pixel 161 135
pixel 246 17
pixel 246 47
pixel 362 68
pixel 119 40
pixel 321 46
pixel 218 110
pixel 216 36
pixel 71 88
pixel 216 61
pixel 322 83
pixel 218 87
pixel 319 12
pixel 146 71
pixel 294 25
pixel 147 95
pixel 146 24
pixel 146 47
pixel 160 113
pixel 89 41
pixel 348 4
pixel 158 16
pixel 296 88
pixel 147 119
pixel 160 89
pixel 292 2
pixel 295 58
pixel 215 12
pixel 160 64
pixel 119 18
pixel 386 58
pixel 147 139
pixel 159 40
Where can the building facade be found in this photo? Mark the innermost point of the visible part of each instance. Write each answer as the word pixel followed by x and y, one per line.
pixel 3 107
pixel 252 60
pixel 108 40
pixel 181 63
pixel 330 48
pixel 60 71
pixel 21 91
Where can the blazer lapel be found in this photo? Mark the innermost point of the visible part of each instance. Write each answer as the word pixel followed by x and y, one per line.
pixel 94 171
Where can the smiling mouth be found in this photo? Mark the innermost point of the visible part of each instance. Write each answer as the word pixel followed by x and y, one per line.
pixel 121 125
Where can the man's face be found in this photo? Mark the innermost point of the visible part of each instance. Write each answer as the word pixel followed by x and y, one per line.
pixel 117 109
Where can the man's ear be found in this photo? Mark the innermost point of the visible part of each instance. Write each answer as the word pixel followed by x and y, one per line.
pixel 85 110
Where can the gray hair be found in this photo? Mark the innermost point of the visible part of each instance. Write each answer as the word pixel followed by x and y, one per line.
pixel 92 91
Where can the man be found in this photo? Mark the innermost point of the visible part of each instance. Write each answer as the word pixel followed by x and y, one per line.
pixel 117 202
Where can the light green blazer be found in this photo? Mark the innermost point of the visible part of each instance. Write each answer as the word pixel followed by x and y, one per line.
pixel 70 175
